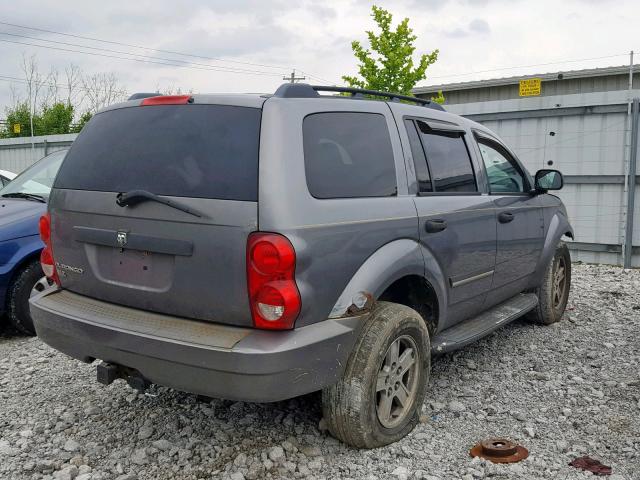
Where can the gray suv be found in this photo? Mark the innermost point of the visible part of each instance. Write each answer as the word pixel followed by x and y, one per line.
pixel 258 248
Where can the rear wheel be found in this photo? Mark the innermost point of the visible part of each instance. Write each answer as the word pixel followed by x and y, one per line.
pixel 553 294
pixel 377 401
pixel 27 282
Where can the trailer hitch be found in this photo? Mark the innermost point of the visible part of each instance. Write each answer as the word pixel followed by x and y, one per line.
pixel 107 373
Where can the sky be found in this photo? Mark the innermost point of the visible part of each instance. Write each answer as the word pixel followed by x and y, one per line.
pixel 249 45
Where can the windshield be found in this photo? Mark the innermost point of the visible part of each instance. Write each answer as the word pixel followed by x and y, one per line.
pixel 38 178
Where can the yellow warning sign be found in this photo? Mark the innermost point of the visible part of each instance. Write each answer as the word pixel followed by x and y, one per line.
pixel 530 87
pixel 16 128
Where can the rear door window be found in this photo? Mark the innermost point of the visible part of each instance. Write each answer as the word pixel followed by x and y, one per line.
pixel 448 159
pixel 348 154
pixel 201 151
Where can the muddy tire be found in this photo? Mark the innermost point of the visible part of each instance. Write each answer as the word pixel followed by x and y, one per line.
pixel 21 288
pixel 378 399
pixel 553 294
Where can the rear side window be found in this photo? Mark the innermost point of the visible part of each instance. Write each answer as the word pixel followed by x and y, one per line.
pixel 348 155
pixel 419 160
pixel 203 151
pixel 448 159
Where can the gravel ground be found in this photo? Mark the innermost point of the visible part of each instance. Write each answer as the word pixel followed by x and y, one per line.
pixel 563 391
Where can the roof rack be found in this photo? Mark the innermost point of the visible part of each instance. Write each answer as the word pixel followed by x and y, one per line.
pixel 304 90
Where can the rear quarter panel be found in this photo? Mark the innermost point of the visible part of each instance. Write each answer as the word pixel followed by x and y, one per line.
pixel 333 237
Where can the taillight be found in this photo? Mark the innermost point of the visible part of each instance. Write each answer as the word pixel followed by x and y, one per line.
pixel 167 100
pixel 46 256
pixel 273 293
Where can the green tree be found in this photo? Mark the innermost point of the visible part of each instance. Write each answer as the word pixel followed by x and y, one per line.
pixel 391 68
pixel 84 118
pixel 54 119
pixel 18 115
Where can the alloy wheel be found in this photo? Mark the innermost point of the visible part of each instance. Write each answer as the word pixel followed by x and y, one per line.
pixel 397 382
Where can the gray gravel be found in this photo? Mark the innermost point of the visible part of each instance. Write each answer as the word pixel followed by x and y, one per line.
pixel 563 391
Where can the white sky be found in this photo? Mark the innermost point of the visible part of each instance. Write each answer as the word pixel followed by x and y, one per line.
pixel 315 36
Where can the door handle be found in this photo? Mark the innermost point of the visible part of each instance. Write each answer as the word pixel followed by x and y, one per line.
pixel 505 217
pixel 434 226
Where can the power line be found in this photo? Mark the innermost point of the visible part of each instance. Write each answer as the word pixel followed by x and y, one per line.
pixel 191 55
pixel 142 47
pixel 211 68
pixel 532 65
pixel 234 70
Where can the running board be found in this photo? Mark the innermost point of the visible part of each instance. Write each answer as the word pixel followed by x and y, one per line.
pixel 470 330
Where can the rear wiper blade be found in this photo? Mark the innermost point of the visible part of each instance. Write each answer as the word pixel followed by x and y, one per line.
pixel 28 196
pixel 134 197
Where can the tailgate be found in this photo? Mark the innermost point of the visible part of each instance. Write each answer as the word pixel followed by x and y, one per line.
pixel 150 255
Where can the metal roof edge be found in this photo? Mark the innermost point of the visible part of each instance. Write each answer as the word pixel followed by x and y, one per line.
pixel 495 82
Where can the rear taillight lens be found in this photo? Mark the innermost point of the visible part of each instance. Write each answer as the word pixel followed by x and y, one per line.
pixel 273 293
pixel 46 256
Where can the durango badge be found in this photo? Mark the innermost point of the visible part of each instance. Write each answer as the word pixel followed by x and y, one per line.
pixel 121 238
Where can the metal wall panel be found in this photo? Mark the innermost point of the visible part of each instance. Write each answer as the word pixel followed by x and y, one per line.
pixel 16 154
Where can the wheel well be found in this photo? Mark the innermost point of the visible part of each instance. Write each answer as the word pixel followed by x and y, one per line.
pixel 415 292
pixel 18 267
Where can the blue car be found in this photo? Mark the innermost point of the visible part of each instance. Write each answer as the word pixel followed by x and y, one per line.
pixel 22 202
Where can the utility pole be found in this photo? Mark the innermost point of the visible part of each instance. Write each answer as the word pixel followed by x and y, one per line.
pixel 293 78
pixel 630 174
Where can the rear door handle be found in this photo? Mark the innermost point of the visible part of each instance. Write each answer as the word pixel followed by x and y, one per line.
pixel 505 217
pixel 434 226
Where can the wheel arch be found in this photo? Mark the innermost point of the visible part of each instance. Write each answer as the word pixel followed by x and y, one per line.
pixel 559 227
pixel 401 263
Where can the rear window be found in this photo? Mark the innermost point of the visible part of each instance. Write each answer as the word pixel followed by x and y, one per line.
pixel 348 155
pixel 205 151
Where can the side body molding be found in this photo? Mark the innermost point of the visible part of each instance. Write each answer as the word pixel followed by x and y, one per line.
pixel 558 227
pixel 389 263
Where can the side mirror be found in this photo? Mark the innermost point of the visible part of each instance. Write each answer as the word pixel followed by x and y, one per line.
pixel 548 180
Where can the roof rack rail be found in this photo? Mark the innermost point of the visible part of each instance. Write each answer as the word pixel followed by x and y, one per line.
pixel 138 96
pixel 304 90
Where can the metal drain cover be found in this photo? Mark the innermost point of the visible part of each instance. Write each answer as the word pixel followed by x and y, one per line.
pixel 499 450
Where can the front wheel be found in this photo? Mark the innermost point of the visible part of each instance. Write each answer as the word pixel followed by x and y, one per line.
pixel 553 294
pixel 378 399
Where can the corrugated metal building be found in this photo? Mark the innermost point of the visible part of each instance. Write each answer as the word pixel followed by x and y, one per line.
pixel 581 123
pixel 592 80
pixel 16 154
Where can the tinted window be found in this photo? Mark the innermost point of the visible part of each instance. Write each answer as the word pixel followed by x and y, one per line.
pixel 449 160
pixel 348 155
pixel 503 173
pixel 208 151
pixel 419 160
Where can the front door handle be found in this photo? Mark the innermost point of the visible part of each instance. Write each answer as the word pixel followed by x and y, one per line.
pixel 505 217
pixel 434 226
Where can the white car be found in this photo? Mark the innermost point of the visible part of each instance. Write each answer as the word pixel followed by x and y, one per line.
pixel 6 177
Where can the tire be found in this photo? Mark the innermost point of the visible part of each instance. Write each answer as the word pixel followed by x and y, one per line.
pixel 18 294
pixel 351 406
pixel 551 302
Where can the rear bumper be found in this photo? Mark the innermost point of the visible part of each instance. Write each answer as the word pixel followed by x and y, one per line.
pixel 199 357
